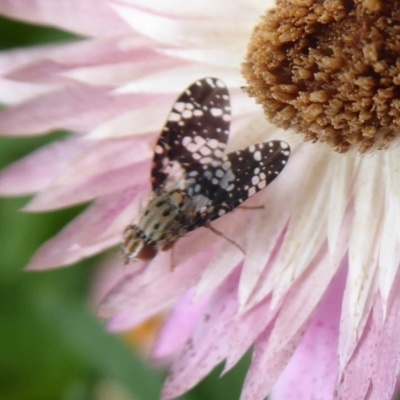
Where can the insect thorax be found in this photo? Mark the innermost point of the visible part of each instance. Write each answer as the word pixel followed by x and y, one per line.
pixel 168 216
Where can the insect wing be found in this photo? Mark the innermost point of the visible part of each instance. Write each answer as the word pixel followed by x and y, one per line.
pixel 195 133
pixel 242 174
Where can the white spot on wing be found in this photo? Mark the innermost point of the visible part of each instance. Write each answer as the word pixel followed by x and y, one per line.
pixel 257 156
pixel 216 112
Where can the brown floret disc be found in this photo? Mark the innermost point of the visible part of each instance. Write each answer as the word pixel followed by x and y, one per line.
pixel 330 70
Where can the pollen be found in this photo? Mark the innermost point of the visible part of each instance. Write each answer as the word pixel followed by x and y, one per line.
pixel 329 70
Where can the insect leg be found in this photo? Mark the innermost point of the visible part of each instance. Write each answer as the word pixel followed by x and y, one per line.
pixel 212 229
pixel 251 207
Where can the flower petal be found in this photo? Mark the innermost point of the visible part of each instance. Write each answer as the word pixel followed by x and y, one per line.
pixel 80 238
pixel 375 366
pixel 179 326
pixel 389 252
pixel 299 305
pixel 363 281
pixel 207 345
pixel 161 82
pixel 233 228
pixel 104 156
pixel 246 330
pixel 188 32
pixel 75 108
pixel 136 122
pixel 13 93
pixel 216 56
pixel 197 8
pixel 262 375
pixel 271 356
pixel 268 225
pixel 121 73
pixel 160 286
pixel 37 170
pixel 305 231
pixel 87 189
pixel 312 372
pixel 341 175
pixel 86 17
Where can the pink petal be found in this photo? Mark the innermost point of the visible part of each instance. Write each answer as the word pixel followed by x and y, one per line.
pixel 86 17
pixel 121 73
pixel 312 371
pixel 107 155
pixel 36 171
pixel 349 336
pixel 75 108
pixel 246 330
pixel 301 301
pixel 219 268
pixel 375 365
pixel 98 52
pixel 273 352
pixel 14 59
pixel 108 274
pixel 80 238
pixel 154 291
pixel 12 93
pixel 208 344
pixel 262 376
pixel 80 53
pixel 41 71
pixel 179 326
pixel 113 68
pixel 90 188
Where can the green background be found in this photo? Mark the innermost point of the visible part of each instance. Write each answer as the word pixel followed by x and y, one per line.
pixel 51 346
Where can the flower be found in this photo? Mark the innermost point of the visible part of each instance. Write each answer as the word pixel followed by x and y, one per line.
pixel 316 292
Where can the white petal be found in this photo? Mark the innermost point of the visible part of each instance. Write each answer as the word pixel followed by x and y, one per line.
pixel 218 269
pixel 268 224
pixel 183 76
pixel 389 253
pixel 340 178
pixel 121 73
pixel 362 283
pixel 223 56
pixel 366 227
pixel 138 121
pixel 188 32
pixel 198 8
pixel 307 228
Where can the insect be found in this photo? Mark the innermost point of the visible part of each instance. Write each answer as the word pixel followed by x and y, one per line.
pixel 193 180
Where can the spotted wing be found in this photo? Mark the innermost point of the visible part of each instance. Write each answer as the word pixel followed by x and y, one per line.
pixel 240 175
pixel 195 133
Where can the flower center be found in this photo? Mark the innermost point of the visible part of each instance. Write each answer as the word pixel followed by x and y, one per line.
pixel 329 69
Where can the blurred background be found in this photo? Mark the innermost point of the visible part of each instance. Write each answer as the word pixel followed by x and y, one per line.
pixel 51 345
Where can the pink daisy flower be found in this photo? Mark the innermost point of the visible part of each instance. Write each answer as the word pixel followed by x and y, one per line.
pixel 315 292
